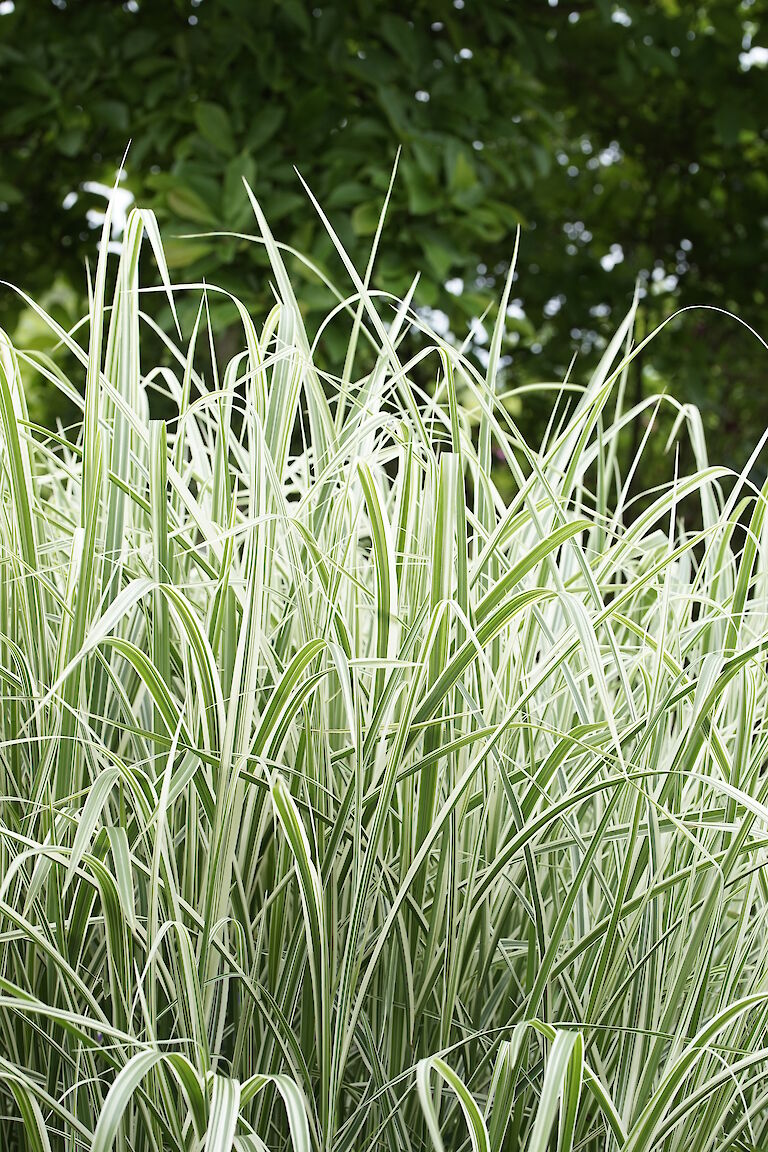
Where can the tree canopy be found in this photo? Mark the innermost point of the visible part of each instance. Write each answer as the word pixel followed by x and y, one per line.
pixel 628 141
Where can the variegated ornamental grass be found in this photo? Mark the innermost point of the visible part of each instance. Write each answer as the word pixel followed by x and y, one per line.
pixel 346 805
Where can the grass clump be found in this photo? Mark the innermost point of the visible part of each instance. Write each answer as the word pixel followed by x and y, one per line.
pixel 345 804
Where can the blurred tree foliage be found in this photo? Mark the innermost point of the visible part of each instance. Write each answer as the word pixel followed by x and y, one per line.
pixel 627 140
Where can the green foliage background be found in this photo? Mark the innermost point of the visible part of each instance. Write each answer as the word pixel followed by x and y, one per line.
pixel 588 123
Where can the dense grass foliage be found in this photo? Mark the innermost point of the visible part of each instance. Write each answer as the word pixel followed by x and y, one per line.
pixel 346 805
